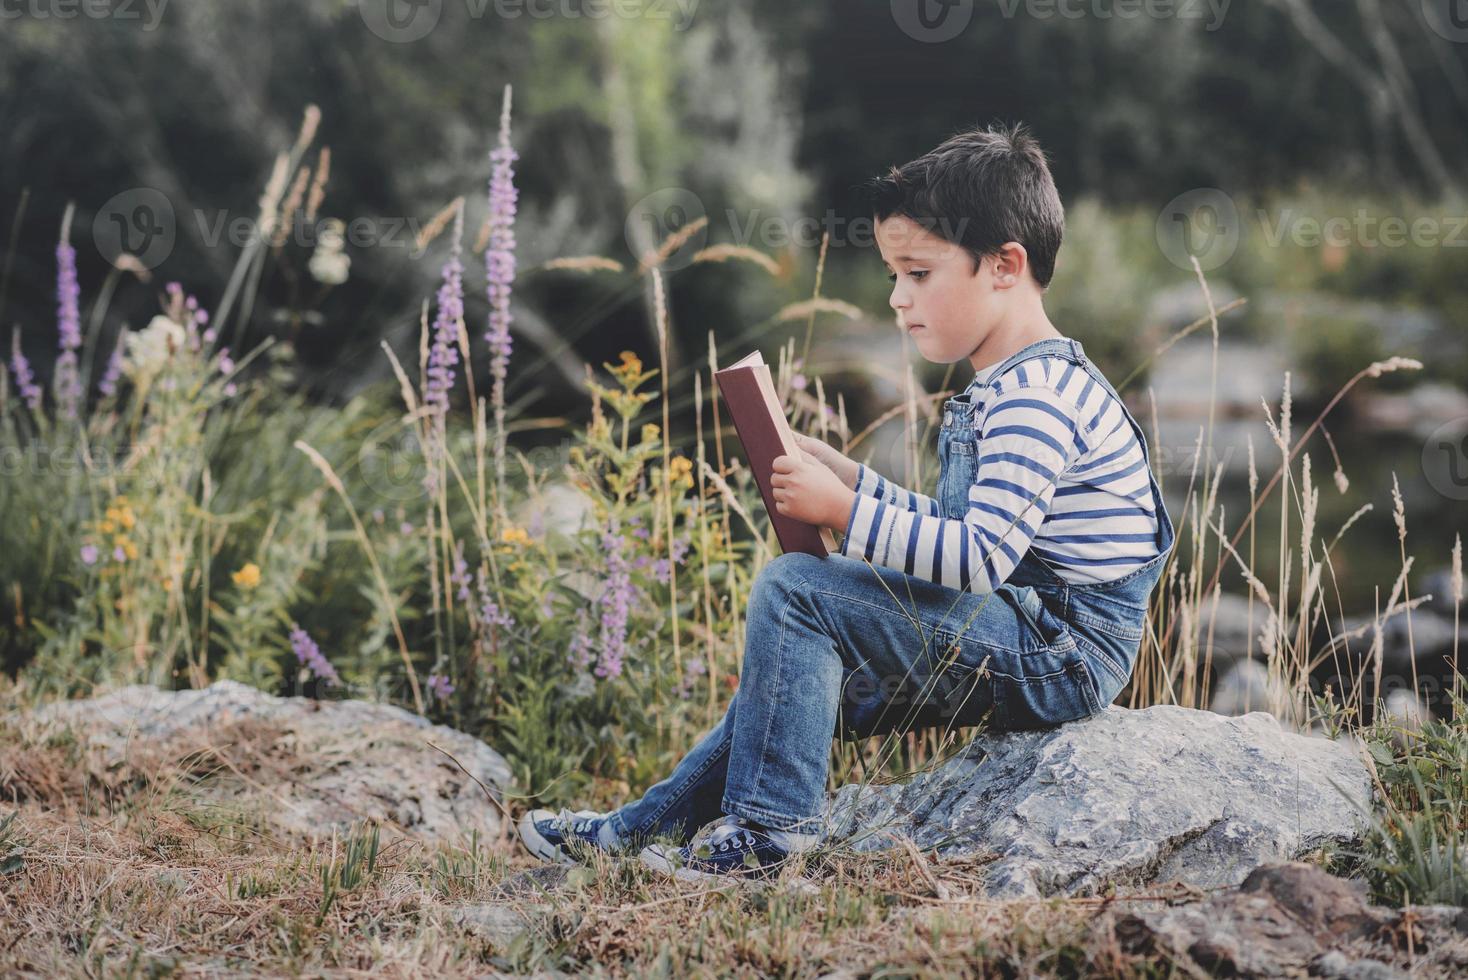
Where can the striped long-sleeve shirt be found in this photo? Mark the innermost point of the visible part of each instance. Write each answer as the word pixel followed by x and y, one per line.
pixel 1060 473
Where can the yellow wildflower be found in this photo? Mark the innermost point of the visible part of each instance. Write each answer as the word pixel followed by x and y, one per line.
pixel 247 577
pixel 631 363
pixel 514 535
pixel 680 468
pixel 650 432
pixel 106 527
pixel 130 549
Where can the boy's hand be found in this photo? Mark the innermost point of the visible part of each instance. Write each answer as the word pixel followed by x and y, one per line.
pixel 844 468
pixel 807 490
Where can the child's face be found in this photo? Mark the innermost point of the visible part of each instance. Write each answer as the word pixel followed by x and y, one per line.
pixel 946 306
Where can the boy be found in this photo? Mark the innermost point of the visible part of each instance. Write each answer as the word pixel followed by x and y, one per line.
pixel 1014 596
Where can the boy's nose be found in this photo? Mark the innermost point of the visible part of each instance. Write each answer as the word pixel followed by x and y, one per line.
pixel 899 300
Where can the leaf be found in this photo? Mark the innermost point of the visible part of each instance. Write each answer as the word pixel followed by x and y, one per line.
pixel 1382 754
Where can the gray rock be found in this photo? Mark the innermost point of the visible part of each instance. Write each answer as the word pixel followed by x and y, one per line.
pixel 1405 712
pixel 1124 798
pixel 1439 584
pixel 498 923
pixel 1282 921
pixel 305 768
pixel 1246 687
pixel 1426 634
pixel 1420 410
pixel 1292 920
pixel 1231 630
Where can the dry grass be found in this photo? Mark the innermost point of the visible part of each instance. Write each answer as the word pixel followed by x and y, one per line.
pixel 138 871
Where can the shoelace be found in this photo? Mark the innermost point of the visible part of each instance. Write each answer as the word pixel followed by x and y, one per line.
pixel 730 834
pixel 576 824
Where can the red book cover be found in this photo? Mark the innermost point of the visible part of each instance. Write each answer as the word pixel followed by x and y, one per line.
pixel 749 391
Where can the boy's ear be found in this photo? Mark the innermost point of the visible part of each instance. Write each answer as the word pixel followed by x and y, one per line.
pixel 1010 263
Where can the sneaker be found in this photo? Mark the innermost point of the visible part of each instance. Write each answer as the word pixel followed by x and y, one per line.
pixel 735 847
pixel 565 837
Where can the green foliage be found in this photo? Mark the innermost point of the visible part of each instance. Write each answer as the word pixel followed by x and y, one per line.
pixel 357 864
pixel 1416 850
pixel 12 846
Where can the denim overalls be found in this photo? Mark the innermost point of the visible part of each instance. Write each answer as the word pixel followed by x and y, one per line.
pixel 1102 622
pixel 837 647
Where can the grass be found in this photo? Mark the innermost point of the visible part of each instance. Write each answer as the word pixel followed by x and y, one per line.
pixel 240 512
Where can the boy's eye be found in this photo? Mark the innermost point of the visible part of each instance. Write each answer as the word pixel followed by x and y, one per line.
pixel 918 274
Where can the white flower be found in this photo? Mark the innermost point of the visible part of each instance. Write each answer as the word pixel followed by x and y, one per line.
pixel 150 348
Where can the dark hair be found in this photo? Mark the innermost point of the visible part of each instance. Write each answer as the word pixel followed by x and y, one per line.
pixel 980 189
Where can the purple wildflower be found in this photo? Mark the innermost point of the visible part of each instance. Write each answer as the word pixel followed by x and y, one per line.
pixel 660 570
pixel 108 385
pixel 67 380
pixel 440 687
pixel 68 296
pixel 90 554
pixel 692 671
pixel 310 656
pixel 616 605
pixel 499 257
pixel 118 554
pixel 489 610
pixel 445 351
pixel 25 379
pixel 680 550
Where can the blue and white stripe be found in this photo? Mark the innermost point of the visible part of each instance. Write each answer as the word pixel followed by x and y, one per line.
pixel 1060 473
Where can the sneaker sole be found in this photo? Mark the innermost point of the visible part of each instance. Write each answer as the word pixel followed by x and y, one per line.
pixel 653 857
pixel 538 845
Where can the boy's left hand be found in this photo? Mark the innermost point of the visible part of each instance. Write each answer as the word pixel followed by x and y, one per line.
pixel 806 489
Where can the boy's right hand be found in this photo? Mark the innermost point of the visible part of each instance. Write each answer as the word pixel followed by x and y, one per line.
pixel 844 468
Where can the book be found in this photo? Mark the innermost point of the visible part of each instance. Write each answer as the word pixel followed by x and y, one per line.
pixel 749 391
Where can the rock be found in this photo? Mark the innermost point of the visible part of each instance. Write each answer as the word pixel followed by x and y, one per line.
pixel 1439 584
pixel 498 923
pixel 1121 798
pixel 1290 919
pixel 1231 629
pixel 1420 410
pixel 1405 712
pixel 1427 634
pixel 559 506
pixel 304 767
pixel 1336 965
pixel 1246 687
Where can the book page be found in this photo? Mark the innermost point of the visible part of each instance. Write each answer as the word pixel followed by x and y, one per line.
pixel 748 360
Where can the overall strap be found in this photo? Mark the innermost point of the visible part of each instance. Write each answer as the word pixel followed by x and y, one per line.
pixel 1066 347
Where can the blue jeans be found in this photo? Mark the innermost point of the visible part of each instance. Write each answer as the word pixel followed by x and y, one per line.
pixel 839 648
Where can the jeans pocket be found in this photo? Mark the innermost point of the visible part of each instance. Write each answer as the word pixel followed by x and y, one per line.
pixel 1025 703
pixel 1045 631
